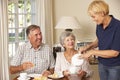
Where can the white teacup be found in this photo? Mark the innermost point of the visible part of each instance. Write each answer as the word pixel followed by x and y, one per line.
pixel 60 74
pixel 74 69
pixel 23 75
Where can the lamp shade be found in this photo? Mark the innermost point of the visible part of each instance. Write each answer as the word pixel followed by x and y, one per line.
pixel 68 22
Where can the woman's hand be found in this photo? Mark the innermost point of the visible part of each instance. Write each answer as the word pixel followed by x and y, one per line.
pixel 66 73
pixel 81 73
pixel 83 49
pixel 87 54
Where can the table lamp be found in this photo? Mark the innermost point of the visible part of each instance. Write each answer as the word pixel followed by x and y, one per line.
pixel 68 23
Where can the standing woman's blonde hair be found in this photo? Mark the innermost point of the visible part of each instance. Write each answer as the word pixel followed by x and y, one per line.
pixel 98 6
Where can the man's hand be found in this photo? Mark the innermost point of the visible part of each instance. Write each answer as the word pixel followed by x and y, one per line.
pixel 46 73
pixel 27 65
pixel 22 67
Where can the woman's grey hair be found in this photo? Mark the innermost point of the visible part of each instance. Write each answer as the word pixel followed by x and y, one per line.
pixel 31 28
pixel 64 35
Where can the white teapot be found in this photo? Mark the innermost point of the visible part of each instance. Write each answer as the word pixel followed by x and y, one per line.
pixel 76 63
pixel 76 60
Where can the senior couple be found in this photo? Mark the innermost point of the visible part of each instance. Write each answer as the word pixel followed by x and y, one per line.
pixel 36 57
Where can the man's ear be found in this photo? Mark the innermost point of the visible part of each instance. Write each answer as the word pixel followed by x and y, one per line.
pixel 29 36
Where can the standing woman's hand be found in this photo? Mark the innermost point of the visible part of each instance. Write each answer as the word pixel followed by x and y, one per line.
pixel 83 49
pixel 87 55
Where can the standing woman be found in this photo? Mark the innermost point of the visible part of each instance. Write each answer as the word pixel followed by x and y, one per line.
pixel 63 60
pixel 108 36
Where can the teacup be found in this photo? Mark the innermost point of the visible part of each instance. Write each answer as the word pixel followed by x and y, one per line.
pixel 60 74
pixel 74 69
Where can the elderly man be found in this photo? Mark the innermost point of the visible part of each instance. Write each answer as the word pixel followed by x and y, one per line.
pixel 33 56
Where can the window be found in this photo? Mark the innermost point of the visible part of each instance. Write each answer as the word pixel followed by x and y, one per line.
pixel 21 13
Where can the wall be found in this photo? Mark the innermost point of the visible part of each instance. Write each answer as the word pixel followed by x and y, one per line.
pixel 78 8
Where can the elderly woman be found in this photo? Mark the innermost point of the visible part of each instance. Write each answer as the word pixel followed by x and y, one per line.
pixel 63 60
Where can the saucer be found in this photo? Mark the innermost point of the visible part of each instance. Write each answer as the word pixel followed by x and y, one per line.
pixel 55 78
pixel 19 78
pixel 34 75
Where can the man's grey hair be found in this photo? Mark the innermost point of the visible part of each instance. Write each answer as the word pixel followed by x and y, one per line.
pixel 31 28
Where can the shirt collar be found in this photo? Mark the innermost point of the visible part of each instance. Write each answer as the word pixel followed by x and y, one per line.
pixel 109 25
pixel 30 45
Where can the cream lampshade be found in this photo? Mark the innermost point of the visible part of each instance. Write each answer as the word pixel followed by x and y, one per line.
pixel 68 23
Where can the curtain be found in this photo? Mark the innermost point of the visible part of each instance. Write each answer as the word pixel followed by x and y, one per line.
pixel 4 71
pixel 44 20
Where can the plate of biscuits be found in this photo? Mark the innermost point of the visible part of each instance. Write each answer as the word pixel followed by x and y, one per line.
pixel 55 76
